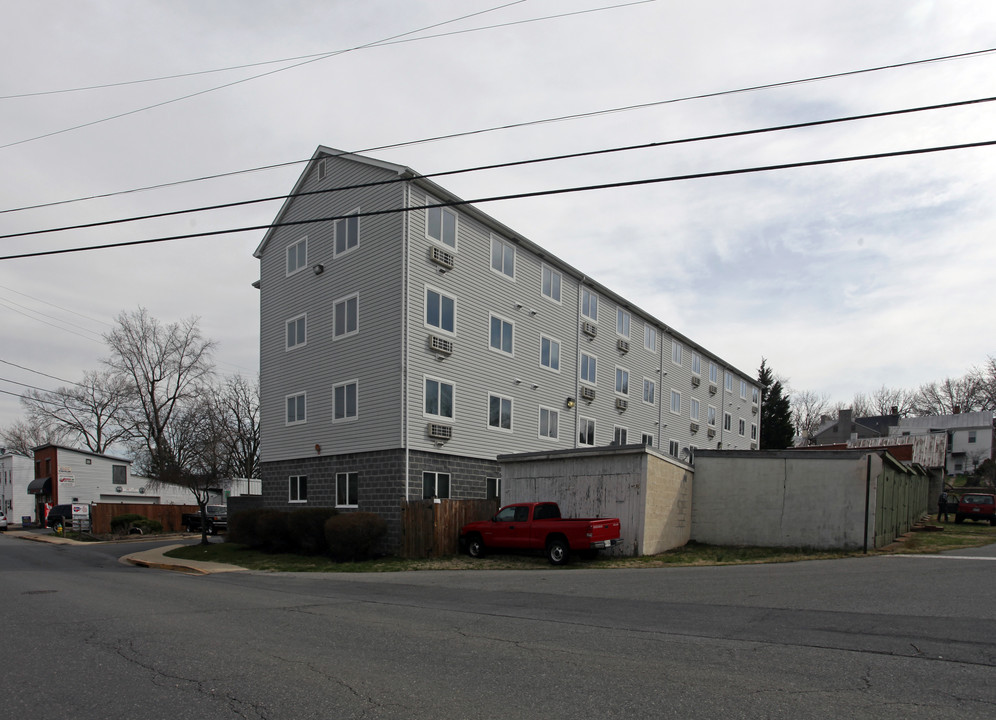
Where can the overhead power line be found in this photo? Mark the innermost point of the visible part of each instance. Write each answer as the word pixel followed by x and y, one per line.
pixel 514 163
pixel 514 196
pixel 525 123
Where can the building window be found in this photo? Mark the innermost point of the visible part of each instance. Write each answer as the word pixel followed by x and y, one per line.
pixel 549 423
pixel 297 256
pixel 696 363
pixel 619 435
pixel 499 412
pixel 711 416
pixel 713 373
pixel 650 338
pixel 322 170
pixel 551 283
pixel 297 489
pixel 347 319
pixel 441 225
pixel 296 331
pixel 345 401
pixel 589 304
pixel 588 368
pixel 676 352
pixel 971 436
pixel 435 485
pixel 502 257
pixel 440 311
pixel 649 389
pixel 743 389
pixel 346 494
pixel 647 440
pixel 501 335
pixel 549 353
pixel 622 381
pixel 754 394
pixel 586 436
pixel 296 405
pixel 119 474
pixel 622 322
pixel 438 398
pixel 753 431
pixel 675 402
pixel 693 409
pixel 727 421
pixel 347 233
pixel 728 384
pixel 672 448
pixel 493 490
pixel 742 427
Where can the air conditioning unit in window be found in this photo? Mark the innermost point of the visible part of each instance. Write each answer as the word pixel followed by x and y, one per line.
pixel 589 328
pixel 712 389
pixel 441 258
pixel 440 432
pixel 440 345
pixel 754 410
pixel 711 433
pixel 623 345
pixel 753 446
pixel 587 393
pixel 696 380
pixel 694 427
pixel 621 404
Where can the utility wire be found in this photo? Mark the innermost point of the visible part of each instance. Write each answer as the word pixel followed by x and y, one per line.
pixel 514 196
pixel 39 372
pixel 496 166
pixel 527 123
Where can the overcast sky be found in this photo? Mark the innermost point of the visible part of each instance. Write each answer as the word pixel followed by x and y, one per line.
pixel 845 277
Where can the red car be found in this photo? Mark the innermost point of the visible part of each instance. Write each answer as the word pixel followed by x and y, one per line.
pixel 976 506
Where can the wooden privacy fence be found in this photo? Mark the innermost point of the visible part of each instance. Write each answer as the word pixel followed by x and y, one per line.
pixel 168 515
pixel 431 528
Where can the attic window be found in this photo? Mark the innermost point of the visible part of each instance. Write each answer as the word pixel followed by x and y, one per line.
pixel 322 170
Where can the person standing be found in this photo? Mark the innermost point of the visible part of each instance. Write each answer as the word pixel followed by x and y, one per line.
pixel 942 506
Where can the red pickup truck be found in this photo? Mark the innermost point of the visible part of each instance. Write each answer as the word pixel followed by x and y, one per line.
pixel 538 526
pixel 977 506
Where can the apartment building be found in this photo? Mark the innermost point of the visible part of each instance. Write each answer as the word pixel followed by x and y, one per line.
pixel 407 339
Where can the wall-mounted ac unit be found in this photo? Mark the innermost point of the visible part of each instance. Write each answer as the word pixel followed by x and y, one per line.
pixel 694 427
pixel 753 446
pixel 711 433
pixel 696 380
pixel 589 328
pixel 623 345
pixel 440 345
pixel 587 393
pixel 713 389
pixel 753 410
pixel 621 404
pixel 441 257
pixel 440 432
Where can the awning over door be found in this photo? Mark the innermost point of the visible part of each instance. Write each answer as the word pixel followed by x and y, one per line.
pixel 40 486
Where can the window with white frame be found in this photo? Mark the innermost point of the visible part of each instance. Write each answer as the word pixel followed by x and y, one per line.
pixel 502 257
pixel 589 304
pixel 672 448
pixel 622 322
pixel 586 434
pixel 499 412
pixel 435 485
pixel 438 398
pixel 346 489
pixel 675 402
pixel 753 431
pixel 347 316
pixel 549 423
pixel 742 427
pixel 693 409
pixel 550 353
pixel 441 224
pixel 622 381
pixel 754 395
pixel 647 439
pixel 296 408
pixel 297 256
pixel 971 436
pixel 588 363
pixel 297 331
pixel 696 363
pixel 727 421
pixel 501 335
pixel 440 311
pixel 711 416
pixel 713 373
pixel 649 390
pixel 650 338
pixel 345 401
pixel 297 488
pixel 728 384
pixel 347 233
pixel 322 169
pixel 676 352
pixel 619 435
pixel 551 283
pixel 743 389
pixel 493 490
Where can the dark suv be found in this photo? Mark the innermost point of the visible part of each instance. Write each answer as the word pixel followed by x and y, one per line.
pixel 59 515
pixel 977 506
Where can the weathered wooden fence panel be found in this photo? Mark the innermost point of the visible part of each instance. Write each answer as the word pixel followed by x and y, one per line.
pixel 431 528
pixel 168 515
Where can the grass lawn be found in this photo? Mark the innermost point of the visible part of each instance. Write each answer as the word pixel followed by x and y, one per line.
pixel 951 537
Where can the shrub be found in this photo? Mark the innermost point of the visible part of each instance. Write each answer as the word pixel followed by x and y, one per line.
pixel 306 528
pixel 273 531
pixel 148 525
pixel 121 524
pixel 353 536
pixel 243 528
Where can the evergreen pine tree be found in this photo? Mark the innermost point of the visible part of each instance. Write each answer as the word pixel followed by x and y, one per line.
pixel 776 415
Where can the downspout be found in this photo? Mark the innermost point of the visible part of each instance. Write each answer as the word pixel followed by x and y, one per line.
pixel 868 480
pixel 577 363
pixel 406 336
pixel 660 392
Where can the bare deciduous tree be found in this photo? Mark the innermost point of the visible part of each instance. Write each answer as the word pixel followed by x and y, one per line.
pixel 24 435
pixel 808 408
pixel 944 397
pixel 237 406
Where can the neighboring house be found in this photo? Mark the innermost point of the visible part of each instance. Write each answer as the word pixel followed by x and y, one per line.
pixel 847 427
pixel 16 473
pixel 969 437
pixel 65 475
pixel 402 351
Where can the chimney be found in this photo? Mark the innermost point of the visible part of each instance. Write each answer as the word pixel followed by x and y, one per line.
pixel 894 410
pixel 956 410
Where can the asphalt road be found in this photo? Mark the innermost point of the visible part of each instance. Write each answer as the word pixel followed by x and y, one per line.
pixel 885 637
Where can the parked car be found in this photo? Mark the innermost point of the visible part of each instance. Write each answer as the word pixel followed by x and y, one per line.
pixel 976 506
pixel 59 515
pixel 217 519
pixel 539 526
pixel 3 521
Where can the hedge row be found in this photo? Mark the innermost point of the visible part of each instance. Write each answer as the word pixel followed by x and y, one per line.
pixel 122 524
pixel 308 531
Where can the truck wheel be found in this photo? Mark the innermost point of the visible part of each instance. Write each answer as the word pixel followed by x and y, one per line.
pixel 190 528
pixel 557 551
pixel 210 530
pixel 475 546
